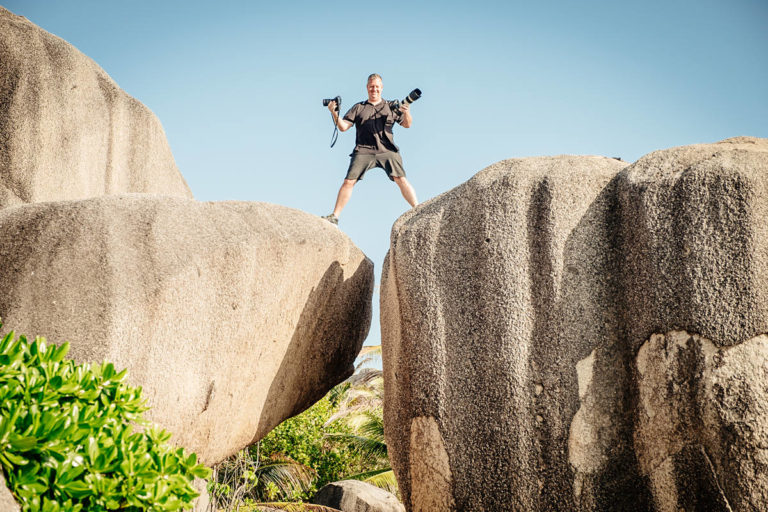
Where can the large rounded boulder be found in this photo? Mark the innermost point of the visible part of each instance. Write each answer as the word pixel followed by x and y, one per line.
pixel 485 312
pixel 67 131
pixel 232 316
pixel 568 334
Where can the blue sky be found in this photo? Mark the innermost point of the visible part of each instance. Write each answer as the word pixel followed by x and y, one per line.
pixel 238 86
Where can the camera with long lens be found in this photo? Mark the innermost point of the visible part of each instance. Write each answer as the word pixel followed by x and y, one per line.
pixel 337 99
pixel 412 96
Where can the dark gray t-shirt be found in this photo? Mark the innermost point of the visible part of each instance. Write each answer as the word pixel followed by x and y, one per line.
pixel 373 124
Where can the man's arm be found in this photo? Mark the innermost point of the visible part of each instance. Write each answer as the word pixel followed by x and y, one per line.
pixel 406 120
pixel 342 124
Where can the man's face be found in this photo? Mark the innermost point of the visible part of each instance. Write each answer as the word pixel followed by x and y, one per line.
pixel 374 90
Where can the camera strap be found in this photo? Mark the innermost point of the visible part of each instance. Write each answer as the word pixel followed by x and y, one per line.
pixel 335 135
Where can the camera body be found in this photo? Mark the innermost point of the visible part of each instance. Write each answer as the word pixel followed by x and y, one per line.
pixel 337 99
pixel 412 96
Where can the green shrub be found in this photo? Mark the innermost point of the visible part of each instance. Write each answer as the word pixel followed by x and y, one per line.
pixel 303 439
pixel 292 462
pixel 67 442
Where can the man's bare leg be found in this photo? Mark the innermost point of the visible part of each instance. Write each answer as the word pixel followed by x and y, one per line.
pixel 407 190
pixel 345 192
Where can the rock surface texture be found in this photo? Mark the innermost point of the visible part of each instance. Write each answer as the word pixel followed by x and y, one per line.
pixel 67 131
pixel 357 496
pixel 7 501
pixel 232 316
pixel 568 333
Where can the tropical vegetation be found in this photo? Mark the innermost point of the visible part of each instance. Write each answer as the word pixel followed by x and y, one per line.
pixel 340 437
pixel 67 441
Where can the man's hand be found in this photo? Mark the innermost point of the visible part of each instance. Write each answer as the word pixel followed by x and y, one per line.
pixel 340 123
pixel 406 120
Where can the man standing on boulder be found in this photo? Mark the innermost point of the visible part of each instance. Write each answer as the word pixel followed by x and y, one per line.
pixel 374 143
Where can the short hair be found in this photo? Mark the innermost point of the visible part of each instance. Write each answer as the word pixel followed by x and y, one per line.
pixel 373 76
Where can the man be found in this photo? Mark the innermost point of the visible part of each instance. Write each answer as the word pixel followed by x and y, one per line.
pixel 374 143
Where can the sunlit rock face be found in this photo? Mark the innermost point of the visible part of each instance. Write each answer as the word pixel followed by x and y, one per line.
pixel 702 422
pixel 67 131
pixel 491 294
pixel 527 317
pixel 232 316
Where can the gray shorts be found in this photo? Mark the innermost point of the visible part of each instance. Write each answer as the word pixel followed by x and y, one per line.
pixel 390 161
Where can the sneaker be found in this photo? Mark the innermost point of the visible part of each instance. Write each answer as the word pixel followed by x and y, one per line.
pixel 332 219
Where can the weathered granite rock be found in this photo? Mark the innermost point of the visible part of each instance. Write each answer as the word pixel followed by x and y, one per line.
pixel 491 293
pixel 67 131
pixel 513 310
pixel 357 496
pixel 695 234
pixel 7 502
pixel 702 424
pixel 232 316
pixel 695 258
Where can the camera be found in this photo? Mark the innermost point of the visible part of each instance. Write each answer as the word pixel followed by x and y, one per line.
pixel 412 96
pixel 337 99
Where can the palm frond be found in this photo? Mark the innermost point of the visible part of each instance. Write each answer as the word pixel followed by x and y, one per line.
pixel 286 475
pixel 365 421
pixel 368 389
pixel 370 448
pixel 337 393
pixel 365 376
pixel 370 350
pixel 372 426
pixel 348 413
pixel 385 480
pixel 370 354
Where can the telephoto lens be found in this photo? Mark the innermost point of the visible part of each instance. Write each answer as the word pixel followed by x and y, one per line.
pixel 412 96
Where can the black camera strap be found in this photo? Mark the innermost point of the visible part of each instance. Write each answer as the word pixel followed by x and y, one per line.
pixel 335 135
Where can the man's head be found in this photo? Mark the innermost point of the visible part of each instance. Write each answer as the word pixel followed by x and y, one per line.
pixel 374 88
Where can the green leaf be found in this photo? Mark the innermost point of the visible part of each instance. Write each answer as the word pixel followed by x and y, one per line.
pixel 108 371
pixel 92 450
pixel 22 443
pixel 77 489
pixel 200 471
pixel 60 352
pixel 56 382
pixel 6 424
pixel 69 388
pixel 14 459
pixel 50 506
pixel 7 340
pixel 37 487
pixel 68 473
pixel 34 349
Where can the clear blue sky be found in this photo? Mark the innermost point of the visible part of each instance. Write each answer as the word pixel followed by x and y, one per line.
pixel 238 86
